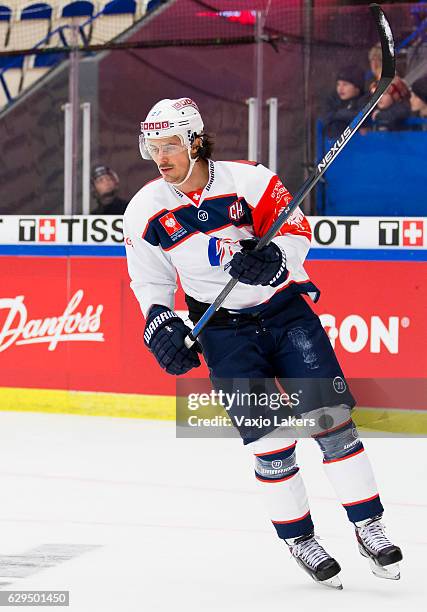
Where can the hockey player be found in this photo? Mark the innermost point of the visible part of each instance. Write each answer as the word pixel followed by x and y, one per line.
pixel 201 219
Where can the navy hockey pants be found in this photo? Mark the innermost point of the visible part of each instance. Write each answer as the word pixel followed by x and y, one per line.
pixel 285 345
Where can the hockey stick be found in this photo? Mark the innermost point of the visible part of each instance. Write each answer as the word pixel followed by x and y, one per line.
pixel 387 74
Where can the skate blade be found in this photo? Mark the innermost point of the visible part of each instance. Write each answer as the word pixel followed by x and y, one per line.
pixel 332 583
pixel 389 572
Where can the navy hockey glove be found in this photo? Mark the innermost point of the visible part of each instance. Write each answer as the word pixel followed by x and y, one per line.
pixel 164 335
pixel 264 267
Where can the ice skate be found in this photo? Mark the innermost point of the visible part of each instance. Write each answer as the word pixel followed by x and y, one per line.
pixel 382 554
pixel 312 557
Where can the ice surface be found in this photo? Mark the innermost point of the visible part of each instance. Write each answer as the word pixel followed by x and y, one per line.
pixel 178 525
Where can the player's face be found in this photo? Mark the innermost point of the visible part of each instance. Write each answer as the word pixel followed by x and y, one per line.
pixel 171 157
pixel 346 90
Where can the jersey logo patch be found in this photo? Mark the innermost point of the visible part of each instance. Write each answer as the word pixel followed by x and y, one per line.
pixel 202 215
pixel 235 211
pixel 220 251
pixel 173 228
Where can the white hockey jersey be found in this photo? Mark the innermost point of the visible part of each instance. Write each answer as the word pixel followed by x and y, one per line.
pixel 167 232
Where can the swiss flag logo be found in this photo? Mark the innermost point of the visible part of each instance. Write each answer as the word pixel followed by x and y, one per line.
pixel 171 225
pixel 412 233
pixel 47 230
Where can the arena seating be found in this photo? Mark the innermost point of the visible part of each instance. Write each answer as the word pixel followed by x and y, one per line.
pixel 77 12
pixel 5 18
pixel 47 24
pixel 109 23
pixel 33 25
pixel 13 78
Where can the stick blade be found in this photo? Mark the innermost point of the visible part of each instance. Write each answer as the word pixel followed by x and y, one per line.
pixel 387 42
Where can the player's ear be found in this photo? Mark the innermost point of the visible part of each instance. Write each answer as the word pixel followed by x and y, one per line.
pixel 197 144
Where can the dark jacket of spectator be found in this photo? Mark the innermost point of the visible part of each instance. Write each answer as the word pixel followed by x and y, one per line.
pixel 418 100
pixel 393 108
pixel 346 102
pixel 105 184
pixel 339 113
pixel 116 207
pixel 391 118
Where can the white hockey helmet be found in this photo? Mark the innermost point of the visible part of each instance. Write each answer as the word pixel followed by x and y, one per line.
pixel 179 117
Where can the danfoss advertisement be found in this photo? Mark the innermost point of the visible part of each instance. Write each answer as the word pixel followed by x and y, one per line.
pixel 68 319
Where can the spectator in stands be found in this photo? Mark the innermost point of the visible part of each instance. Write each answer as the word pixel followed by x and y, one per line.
pixel 105 183
pixel 375 57
pixel 418 98
pixel 347 100
pixel 393 107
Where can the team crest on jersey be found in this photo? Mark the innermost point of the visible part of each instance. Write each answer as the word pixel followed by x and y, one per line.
pixel 235 211
pixel 173 228
pixel 221 250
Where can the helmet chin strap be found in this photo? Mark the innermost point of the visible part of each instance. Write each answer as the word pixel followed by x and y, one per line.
pixel 190 169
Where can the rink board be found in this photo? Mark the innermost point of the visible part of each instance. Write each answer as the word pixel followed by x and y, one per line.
pixel 73 323
pixel 71 329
